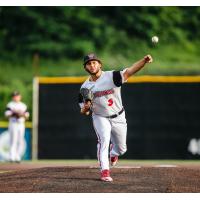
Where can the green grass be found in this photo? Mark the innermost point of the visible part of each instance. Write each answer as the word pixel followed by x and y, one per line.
pixel 93 163
pixel 121 161
pixel 171 59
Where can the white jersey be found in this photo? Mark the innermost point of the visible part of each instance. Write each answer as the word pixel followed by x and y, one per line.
pixel 107 93
pixel 16 107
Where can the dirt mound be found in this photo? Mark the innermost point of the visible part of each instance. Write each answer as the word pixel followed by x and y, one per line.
pixel 86 180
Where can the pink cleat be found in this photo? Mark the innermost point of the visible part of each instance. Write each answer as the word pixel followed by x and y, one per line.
pixel 105 175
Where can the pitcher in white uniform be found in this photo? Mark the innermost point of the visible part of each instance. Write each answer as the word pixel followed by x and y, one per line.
pixel 108 114
pixel 17 113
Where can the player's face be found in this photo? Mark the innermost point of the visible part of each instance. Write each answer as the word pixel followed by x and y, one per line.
pixel 17 98
pixel 93 67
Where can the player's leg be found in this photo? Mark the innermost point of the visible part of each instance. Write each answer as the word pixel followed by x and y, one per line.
pixel 20 146
pixel 118 138
pixel 103 128
pixel 13 141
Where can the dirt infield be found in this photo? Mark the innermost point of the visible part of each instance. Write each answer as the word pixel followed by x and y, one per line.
pixel 76 179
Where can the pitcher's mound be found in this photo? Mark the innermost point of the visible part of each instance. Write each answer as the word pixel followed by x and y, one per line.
pixel 86 180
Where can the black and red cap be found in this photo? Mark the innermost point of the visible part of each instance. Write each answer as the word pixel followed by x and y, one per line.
pixel 90 57
pixel 15 93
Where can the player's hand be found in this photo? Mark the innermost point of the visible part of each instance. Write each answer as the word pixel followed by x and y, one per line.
pixel 87 105
pixel 148 59
pixel 16 114
pixel 86 108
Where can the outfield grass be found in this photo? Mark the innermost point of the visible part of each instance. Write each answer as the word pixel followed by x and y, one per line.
pixel 92 163
pixel 168 60
pixel 121 161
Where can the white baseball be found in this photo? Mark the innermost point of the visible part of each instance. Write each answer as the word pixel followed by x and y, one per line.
pixel 155 39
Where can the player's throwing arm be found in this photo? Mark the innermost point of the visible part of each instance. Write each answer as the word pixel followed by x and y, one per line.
pixel 137 66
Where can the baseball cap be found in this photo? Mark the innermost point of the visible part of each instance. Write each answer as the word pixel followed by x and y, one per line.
pixel 15 93
pixel 90 57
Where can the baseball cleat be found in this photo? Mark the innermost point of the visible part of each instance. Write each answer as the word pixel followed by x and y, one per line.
pixel 105 175
pixel 113 160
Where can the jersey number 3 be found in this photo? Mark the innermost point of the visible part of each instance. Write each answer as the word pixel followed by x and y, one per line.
pixel 110 102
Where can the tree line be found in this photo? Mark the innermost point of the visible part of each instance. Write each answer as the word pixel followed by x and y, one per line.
pixel 70 31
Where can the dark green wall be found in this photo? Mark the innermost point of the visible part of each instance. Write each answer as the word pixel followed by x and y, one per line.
pixel 162 118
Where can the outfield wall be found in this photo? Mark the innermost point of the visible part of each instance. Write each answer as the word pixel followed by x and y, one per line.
pixel 163 115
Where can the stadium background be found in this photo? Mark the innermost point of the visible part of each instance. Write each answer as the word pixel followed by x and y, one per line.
pixel 41 56
pixel 162 116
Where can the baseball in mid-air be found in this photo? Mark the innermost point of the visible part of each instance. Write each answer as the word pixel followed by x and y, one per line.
pixel 155 39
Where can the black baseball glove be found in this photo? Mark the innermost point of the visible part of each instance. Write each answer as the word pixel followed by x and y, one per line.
pixel 86 94
pixel 17 115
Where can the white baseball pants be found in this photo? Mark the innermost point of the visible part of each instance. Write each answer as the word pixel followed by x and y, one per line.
pixel 108 131
pixel 17 132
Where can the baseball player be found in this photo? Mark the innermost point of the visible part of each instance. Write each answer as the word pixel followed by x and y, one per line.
pixel 17 113
pixel 101 95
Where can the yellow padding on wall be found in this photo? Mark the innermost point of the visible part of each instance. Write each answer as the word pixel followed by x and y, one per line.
pixel 133 79
pixel 46 80
pixel 4 124
pixel 164 79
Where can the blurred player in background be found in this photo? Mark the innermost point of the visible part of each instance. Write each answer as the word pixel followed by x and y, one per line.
pixel 108 114
pixel 17 113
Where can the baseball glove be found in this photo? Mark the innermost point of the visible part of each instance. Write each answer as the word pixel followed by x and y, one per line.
pixel 86 94
pixel 17 115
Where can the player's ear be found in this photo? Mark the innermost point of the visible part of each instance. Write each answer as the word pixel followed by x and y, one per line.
pixel 100 64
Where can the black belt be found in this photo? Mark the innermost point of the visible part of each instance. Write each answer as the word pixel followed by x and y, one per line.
pixel 119 113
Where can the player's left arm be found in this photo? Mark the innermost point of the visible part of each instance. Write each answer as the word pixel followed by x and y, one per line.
pixel 137 66
pixel 85 106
